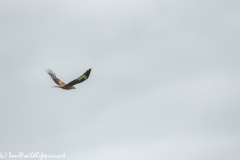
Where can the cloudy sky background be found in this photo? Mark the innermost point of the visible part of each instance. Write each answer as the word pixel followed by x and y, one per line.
pixel 164 82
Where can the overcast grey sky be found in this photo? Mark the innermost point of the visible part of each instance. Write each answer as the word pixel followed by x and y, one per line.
pixel 164 81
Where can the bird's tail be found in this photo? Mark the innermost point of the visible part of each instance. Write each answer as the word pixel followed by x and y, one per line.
pixel 56 86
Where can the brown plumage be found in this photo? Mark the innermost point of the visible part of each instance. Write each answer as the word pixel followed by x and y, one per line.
pixel 70 85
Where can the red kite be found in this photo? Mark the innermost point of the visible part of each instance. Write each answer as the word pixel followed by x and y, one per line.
pixel 70 85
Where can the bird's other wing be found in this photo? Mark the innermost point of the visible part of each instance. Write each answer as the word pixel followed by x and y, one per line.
pixel 80 79
pixel 55 79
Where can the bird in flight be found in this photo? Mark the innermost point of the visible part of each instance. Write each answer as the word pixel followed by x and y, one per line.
pixel 70 85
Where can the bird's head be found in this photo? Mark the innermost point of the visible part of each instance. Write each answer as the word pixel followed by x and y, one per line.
pixel 73 87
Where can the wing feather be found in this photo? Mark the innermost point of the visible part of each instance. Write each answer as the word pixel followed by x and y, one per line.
pixel 55 79
pixel 80 79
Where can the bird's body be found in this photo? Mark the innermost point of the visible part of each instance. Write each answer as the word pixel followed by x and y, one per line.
pixel 70 85
pixel 65 87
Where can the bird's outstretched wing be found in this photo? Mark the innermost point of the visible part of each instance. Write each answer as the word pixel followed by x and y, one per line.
pixel 80 79
pixel 55 79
